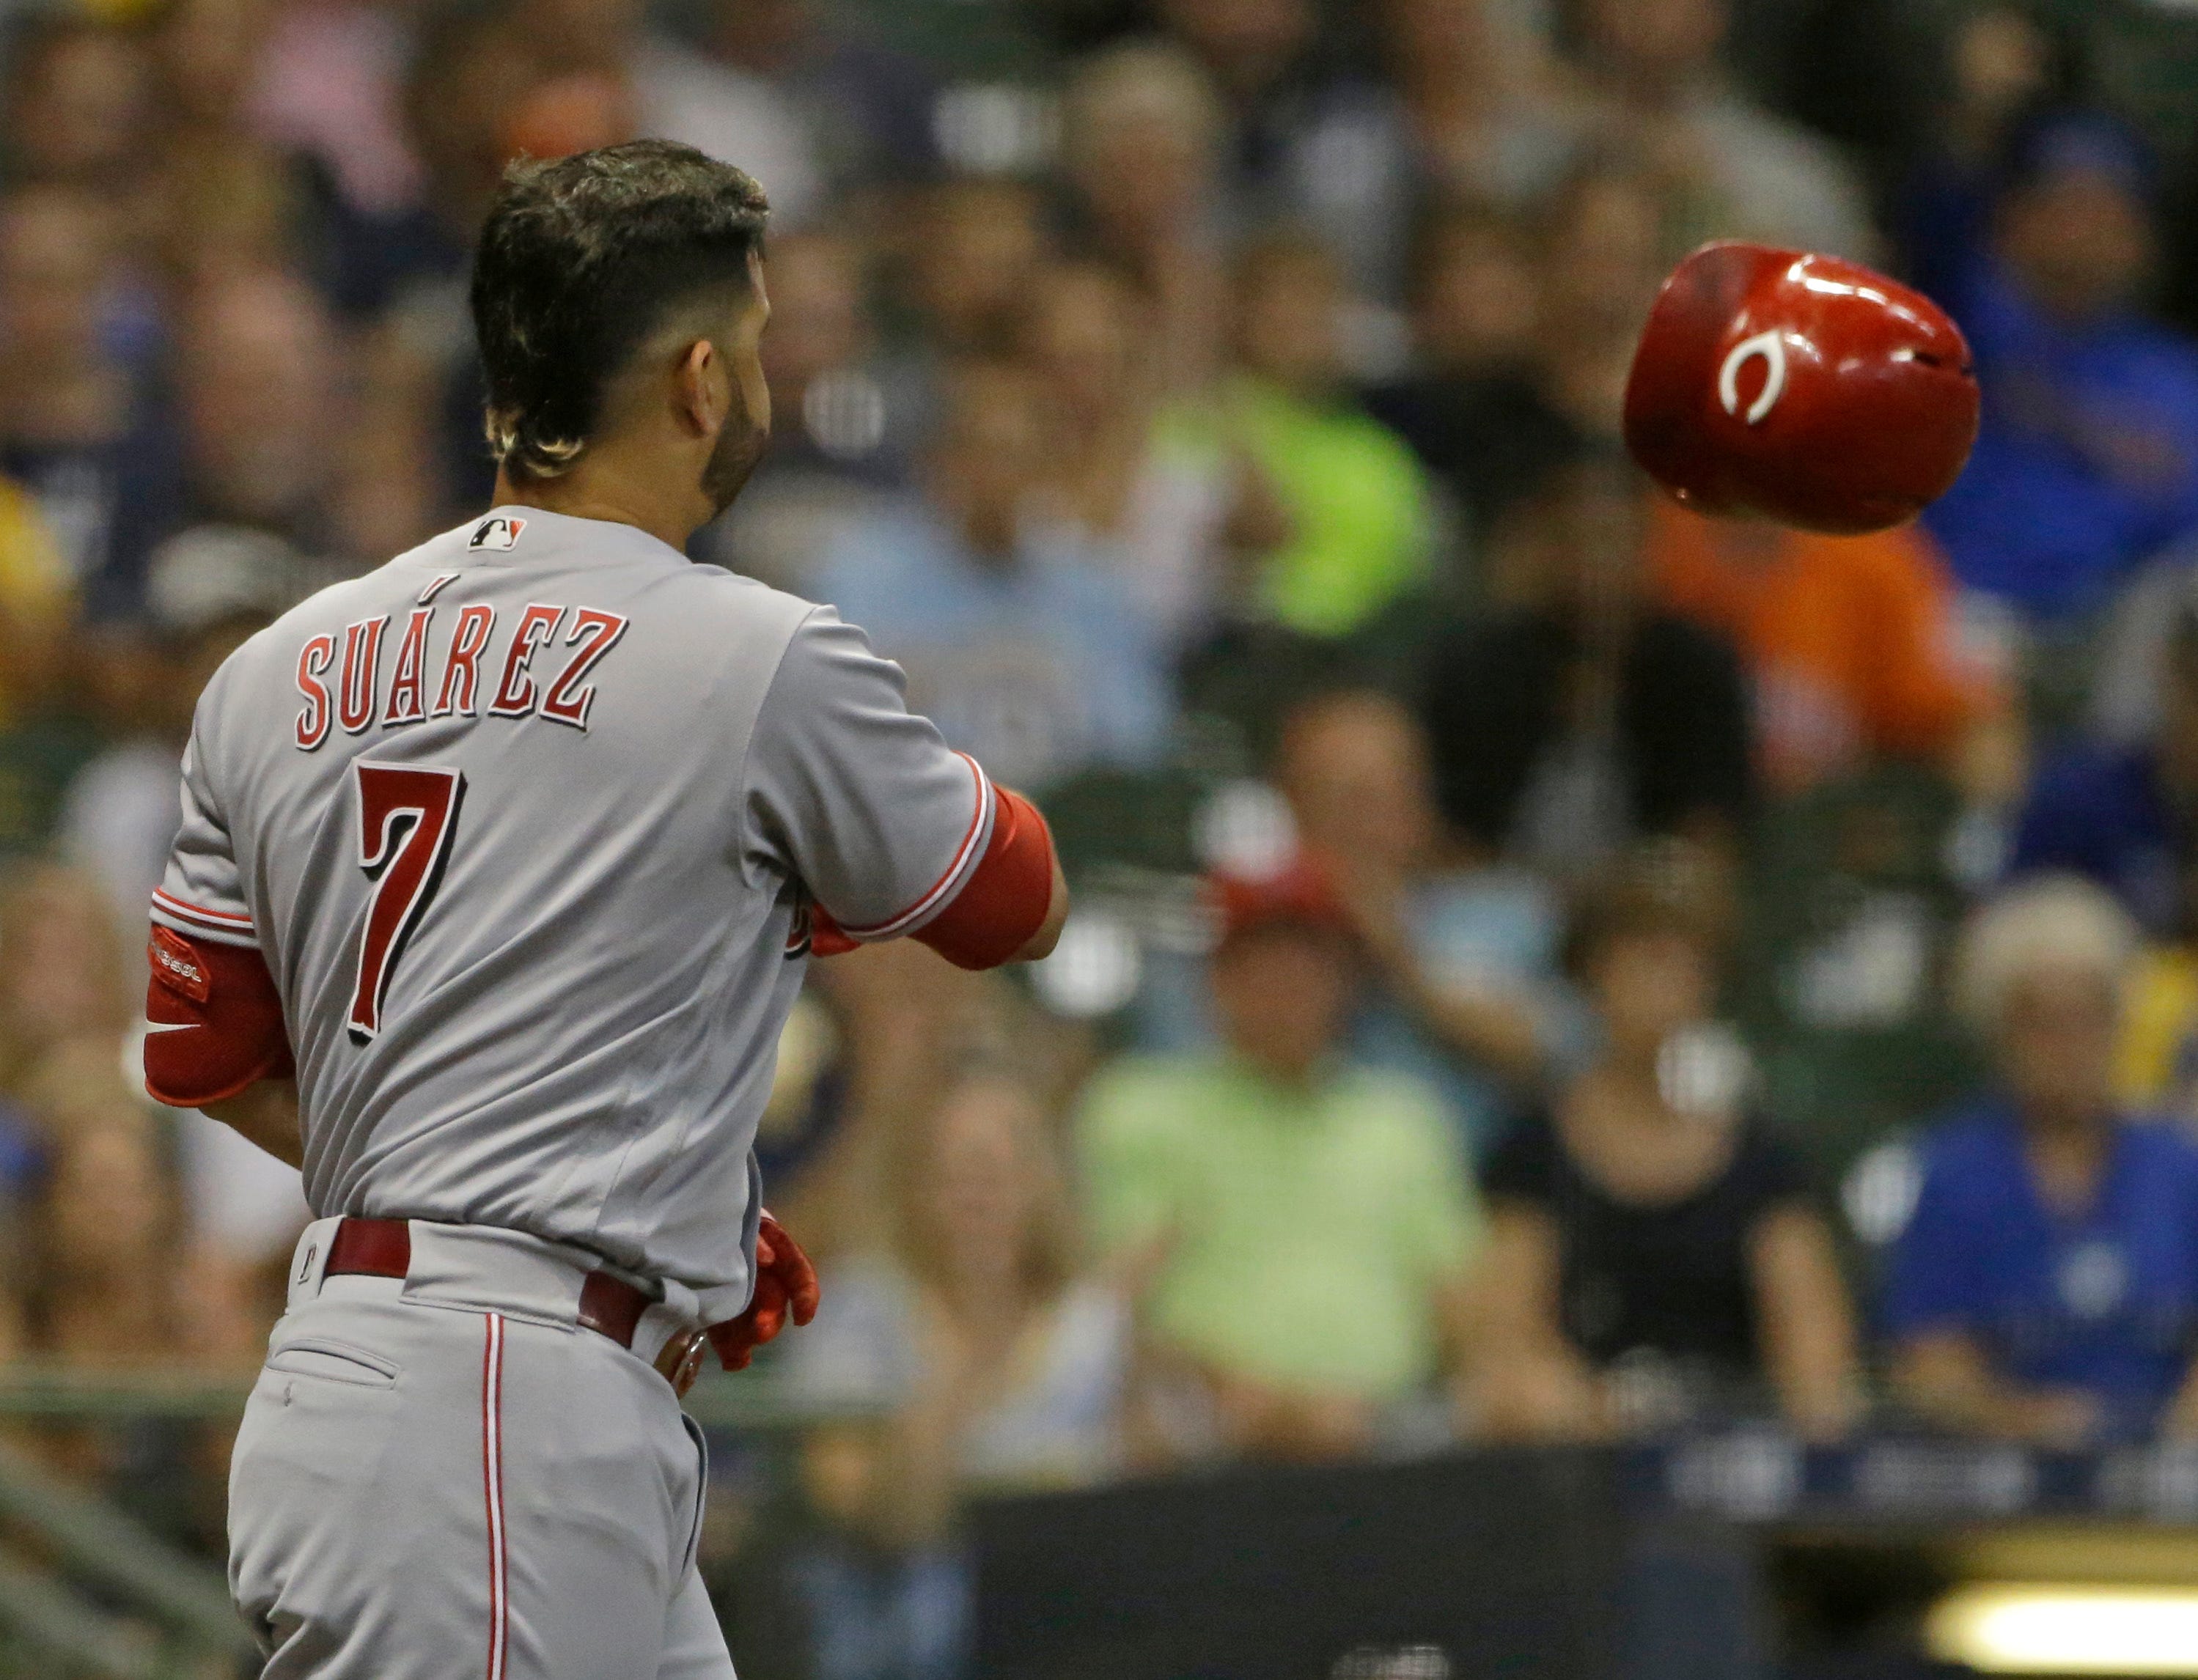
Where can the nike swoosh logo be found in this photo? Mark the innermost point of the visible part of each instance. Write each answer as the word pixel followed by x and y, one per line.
pixel 153 1027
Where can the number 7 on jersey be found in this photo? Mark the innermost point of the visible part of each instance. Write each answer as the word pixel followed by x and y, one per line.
pixel 407 814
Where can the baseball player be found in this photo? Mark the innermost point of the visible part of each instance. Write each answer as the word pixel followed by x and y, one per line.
pixel 498 873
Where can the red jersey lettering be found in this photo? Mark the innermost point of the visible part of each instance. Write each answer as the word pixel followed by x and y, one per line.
pixel 597 633
pixel 313 719
pixel 516 694
pixel 461 665
pixel 362 663
pixel 408 702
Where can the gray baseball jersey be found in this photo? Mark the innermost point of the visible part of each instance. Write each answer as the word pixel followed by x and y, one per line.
pixel 526 823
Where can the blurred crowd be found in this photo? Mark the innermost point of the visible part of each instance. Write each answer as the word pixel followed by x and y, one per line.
pixel 1549 966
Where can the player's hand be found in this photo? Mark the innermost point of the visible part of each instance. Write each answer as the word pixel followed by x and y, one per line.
pixel 786 1284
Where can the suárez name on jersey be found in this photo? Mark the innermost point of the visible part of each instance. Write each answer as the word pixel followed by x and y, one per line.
pixel 340 673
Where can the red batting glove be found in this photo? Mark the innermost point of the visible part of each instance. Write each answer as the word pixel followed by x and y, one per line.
pixel 785 1283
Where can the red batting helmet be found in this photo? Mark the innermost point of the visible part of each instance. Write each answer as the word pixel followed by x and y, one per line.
pixel 1808 389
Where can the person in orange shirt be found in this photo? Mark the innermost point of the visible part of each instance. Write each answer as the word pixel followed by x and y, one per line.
pixel 1855 647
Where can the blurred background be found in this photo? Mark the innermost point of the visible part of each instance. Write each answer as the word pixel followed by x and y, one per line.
pixel 1621 1097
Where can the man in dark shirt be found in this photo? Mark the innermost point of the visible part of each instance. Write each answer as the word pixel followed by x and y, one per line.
pixel 1575 717
pixel 1470 410
pixel 78 428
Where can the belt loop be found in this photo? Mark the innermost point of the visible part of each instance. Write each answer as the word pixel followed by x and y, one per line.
pixel 309 1261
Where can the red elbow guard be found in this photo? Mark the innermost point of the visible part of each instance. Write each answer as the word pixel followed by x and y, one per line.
pixel 214 1022
pixel 1003 903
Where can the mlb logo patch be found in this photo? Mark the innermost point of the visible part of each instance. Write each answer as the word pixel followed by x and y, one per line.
pixel 498 532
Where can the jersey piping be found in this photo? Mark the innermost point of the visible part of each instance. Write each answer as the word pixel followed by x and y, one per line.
pixel 942 891
pixel 182 917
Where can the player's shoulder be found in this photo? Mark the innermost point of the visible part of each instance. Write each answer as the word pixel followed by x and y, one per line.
pixel 730 596
pixel 699 603
pixel 328 607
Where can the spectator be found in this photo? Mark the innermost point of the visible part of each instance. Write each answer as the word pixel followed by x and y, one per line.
pixel 818 357
pixel 1744 173
pixel 2127 663
pixel 2046 1286
pixel 1469 407
pixel 1484 110
pixel 1579 716
pixel 67 982
pixel 975 246
pixel 1002 1364
pixel 1472 114
pixel 76 104
pixel 1361 514
pixel 1159 498
pixel 1855 647
pixel 1611 237
pixel 1142 135
pixel 2000 65
pixel 220 197
pixel 34 605
pixel 1260 55
pixel 469 68
pixel 418 461
pixel 1652 1252
pixel 103 1288
pixel 1220 1180
pixel 2120 811
pixel 1462 945
pixel 326 85
pixel 264 397
pixel 338 86
pixel 837 442
pixel 212 586
pixel 1022 648
pixel 77 429
pixel 606 69
pixel 721 108
pixel 867 109
pixel 2088 458
pixel 2127 815
pixel 1017 1377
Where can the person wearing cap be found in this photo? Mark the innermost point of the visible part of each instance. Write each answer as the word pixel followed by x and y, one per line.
pixel 1297 1229
pixel 2088 458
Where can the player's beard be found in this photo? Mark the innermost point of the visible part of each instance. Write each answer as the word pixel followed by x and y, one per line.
pixel 738 447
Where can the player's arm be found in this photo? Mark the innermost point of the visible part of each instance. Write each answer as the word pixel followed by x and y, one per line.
pixel 1041 944
pixel 893 834
pixel 264 1113
pixel 1019 876
pixel 214 1034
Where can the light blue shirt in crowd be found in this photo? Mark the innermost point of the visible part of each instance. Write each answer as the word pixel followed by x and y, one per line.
pixel 1039 665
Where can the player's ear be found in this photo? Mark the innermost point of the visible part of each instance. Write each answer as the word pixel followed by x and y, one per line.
pixel 697 396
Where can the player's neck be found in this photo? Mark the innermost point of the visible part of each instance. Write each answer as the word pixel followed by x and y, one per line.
pixel 598 490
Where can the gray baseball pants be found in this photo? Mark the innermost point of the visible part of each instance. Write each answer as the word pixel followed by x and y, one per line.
pixel 443 1475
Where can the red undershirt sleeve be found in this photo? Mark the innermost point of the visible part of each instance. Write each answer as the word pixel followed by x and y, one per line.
pixel 1004 901
pixel 214 1020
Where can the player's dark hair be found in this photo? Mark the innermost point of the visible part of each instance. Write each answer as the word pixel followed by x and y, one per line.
pixel 580 260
